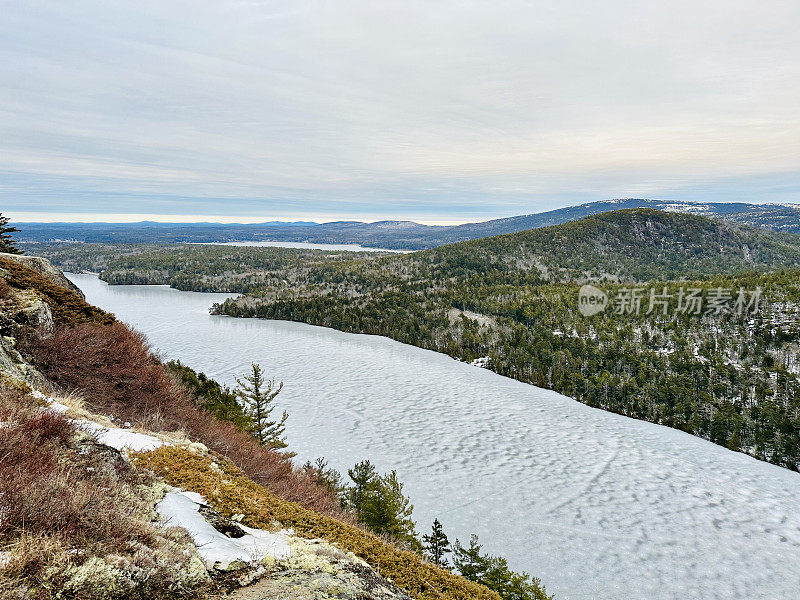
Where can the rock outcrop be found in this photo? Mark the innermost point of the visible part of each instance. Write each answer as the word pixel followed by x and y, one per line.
pixel 44 268
pixel 13 368
pixel 21 309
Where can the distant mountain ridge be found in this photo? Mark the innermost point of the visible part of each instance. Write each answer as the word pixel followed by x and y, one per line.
pixel 628 245
pixel 398 234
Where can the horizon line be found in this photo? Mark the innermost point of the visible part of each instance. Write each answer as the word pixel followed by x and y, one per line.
pixel 86 218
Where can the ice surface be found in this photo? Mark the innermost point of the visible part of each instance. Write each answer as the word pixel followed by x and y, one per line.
pixel 597 505
pixel 180 509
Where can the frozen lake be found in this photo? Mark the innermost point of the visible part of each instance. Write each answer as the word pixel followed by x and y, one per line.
pixel 308 245
pixel 597 505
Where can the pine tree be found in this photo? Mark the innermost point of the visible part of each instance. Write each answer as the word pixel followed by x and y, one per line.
pixel 258 394
pixel 469 562
pixel 436 545
pixel 493 572
pixel 6 241
pixel 388 511
pixel 364 476
pixel 379 503
pixel 326 476
pixel 217 399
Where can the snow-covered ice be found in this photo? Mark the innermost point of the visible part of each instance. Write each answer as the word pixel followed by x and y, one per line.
pixel 597 505
pixel 180 509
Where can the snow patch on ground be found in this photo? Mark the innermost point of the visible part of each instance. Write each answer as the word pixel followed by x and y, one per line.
pixel 180 509
pixel 121 439
pixel 57 407
pixel 482 362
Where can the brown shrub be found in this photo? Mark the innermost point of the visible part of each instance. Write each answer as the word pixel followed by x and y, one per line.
pixel 5 289
pixel 111 368
pixel 39 492
pixel 115 372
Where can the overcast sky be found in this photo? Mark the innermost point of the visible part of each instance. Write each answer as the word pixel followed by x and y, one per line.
pixel 432 110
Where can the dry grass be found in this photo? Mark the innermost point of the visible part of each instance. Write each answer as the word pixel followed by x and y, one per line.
pixel 76 409
pixel 113 370
pixel 76 518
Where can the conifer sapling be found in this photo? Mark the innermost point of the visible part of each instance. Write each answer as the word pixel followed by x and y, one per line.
pixel 436 545
pixel 258 395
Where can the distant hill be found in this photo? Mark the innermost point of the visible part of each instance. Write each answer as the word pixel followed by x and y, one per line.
pixel 632 244
pixel 396 234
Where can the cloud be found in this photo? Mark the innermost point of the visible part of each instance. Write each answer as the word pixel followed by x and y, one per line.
pixel 397 108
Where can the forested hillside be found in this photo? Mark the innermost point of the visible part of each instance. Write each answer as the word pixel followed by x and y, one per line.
pixel 730 378
pixel 627 245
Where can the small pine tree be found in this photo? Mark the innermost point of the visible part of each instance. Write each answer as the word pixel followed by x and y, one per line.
pixel 436 545
pixel 469 562
pixel 258 394
pixel 6 241
pixel 493 572
pixel 379 503
pixel 388 511
pixel 363 475
pixel 326 476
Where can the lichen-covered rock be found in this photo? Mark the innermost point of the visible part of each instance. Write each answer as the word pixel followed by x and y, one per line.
pixel 93 576
pixel 18 310
pixel 318 570
pixel 311 585
pixel 36 314
pixel 126 576
pixel 21 310
pixel 14 371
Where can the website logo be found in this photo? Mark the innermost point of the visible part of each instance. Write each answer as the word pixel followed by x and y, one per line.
pixel 591 300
